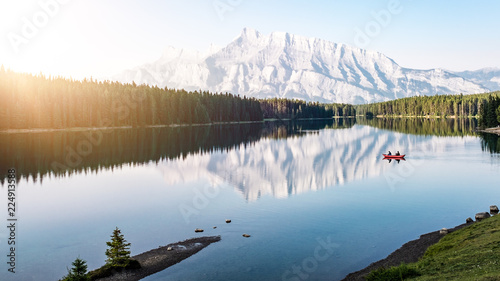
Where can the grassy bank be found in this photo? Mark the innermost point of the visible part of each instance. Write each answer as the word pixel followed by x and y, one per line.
pixel 471 253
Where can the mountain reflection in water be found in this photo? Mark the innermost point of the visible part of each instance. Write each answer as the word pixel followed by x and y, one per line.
pixel 272 158
pixel 311 162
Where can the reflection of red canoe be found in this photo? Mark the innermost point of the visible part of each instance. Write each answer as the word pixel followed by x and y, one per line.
pixel 394 156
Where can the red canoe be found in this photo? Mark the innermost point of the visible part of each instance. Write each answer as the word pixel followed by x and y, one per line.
pixel 394 156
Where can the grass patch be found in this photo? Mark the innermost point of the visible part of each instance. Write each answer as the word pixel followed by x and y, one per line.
pixel 471 253
pixel 394 273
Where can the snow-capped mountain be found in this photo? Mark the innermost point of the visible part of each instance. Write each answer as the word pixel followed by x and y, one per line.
pixel 291 66
pixel 488 77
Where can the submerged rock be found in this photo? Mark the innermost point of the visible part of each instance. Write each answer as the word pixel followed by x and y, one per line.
pixel 482 215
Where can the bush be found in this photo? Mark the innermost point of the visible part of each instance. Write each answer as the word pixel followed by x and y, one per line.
pixel 394 273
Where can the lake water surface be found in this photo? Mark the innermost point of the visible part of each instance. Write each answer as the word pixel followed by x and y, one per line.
pixel 316 197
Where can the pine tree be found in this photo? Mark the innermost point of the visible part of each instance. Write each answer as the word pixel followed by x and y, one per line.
pixel 491 118
pixel 201 114
pixel 118 253
pixel 78 272
pixel 498 114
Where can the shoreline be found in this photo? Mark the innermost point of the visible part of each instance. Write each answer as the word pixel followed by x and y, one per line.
pixel 409 252
pixel 84 129
pixel 494 130
pixel 158 259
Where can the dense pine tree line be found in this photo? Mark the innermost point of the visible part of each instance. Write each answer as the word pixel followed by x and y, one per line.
pixel 489 115
pixel 299 109
pixel 38 102
pixel 442 105
pixel 30 102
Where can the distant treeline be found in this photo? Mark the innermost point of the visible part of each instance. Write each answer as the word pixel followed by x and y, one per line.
pixel 37 102
pixel 30 102
pixel 298 109
pixel 443 105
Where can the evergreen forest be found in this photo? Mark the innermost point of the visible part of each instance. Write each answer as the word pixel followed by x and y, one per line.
pixel 39 102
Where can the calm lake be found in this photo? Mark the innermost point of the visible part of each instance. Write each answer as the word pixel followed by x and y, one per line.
pixel 316 197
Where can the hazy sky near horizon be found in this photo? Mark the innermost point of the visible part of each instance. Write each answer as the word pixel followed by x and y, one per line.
pixel 83 38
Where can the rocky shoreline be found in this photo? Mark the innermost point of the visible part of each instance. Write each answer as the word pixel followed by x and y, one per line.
pixel 160 258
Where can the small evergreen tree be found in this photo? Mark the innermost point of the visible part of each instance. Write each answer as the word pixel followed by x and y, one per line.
pixel 118 253
pixel 78 272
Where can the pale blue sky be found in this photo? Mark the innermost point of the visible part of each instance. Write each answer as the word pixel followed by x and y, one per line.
pixel 100 38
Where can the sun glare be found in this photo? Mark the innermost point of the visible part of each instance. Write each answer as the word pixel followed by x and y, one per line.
pixel 37 36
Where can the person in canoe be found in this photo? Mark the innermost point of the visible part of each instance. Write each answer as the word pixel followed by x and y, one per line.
pixel 397 153
pixel 389 153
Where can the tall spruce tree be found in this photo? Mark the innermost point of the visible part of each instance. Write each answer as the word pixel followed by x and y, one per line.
pixel 118 253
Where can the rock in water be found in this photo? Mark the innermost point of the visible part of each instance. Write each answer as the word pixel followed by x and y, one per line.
pixel 228 221
pixel 482 215
pixel 246 235
pixel 198 230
